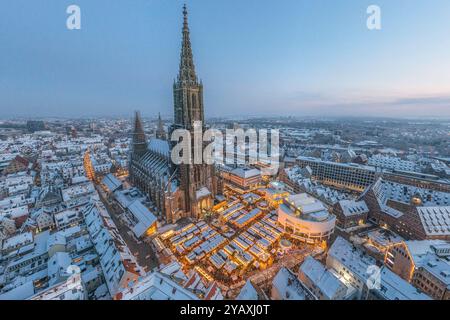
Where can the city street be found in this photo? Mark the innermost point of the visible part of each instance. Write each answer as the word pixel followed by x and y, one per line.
pixel 143 251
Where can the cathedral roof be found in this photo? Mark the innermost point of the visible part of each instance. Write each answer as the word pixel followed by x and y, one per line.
pixel 159 146
pixel 155 164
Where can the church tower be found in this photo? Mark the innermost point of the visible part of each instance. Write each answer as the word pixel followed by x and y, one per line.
pixel 160 133
pixel 187 90
pixel 196 179
pixel 138 140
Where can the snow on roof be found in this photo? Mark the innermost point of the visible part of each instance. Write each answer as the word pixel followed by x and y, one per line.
pixel 57 266
pixel 246 172
pixel 306 203
pixel 21 292
pixel 327 283
pixel 110 246
pixel 435 220
pixel 173 269
pixel 354 259
pixel 79 179
pixel 14 201
pixel 18 240
pixel 306 207
pixel 392 163
pixel 392 287
pixel 128 196
pixel 384 237
pixel 418 249
pixel 337 164
pixel 390 190
pixel 77 191
pixel 30 252
pixel 352 207
pixel 438 267
pixel 66 290
pixel 144 216
pixel 156 286
pixel 248 292
pixel 159 146
pixel 289 287
pixel 15 212
pixel 57 238
pixel 202 192
pixel 111 182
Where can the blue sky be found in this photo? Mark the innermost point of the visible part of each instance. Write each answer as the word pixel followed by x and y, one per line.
pixel 256 57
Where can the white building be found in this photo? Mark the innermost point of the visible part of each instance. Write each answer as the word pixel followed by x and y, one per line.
pixel 392 287
pixel 286 286
pixel 156 286
pixel 322 283
pixel 118 264
pixel 306 218
pixel 392 163
pixel 351 265
pixel 71 289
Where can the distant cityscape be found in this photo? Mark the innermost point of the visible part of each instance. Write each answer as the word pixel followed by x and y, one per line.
pixel 95 209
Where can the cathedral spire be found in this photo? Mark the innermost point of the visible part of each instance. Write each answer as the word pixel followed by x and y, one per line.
pixel 188 92
pixel 160 133
pixel 139 141
pixel 187 68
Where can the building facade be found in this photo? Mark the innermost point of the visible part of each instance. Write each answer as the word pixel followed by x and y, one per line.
pixel 350 176
pixel 178 190
pixel 306 218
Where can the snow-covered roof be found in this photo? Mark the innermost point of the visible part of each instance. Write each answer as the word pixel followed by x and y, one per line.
pixel 418 249
pixel 289 287
pixel 435 220
pixel 144 216
pixel 351 207
pixel 21 292
pixel 78 190
pixel 389 190
pixel 15 212
pixel 128 196
pixel 306 207
pixel 174 269
pixel 58 266
pixel 65 290
pixel 306 203
pixel 248 292
pixel 327 282
pixel 202 192
pixel 246 172
pixel 57 238
pixel 156 286
pixel 354 259
pixel 110 246
pixel 17 241
pixel 438 267
pixel 159 146
pixel 111 182
pixel 392 287
pixel 392 163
